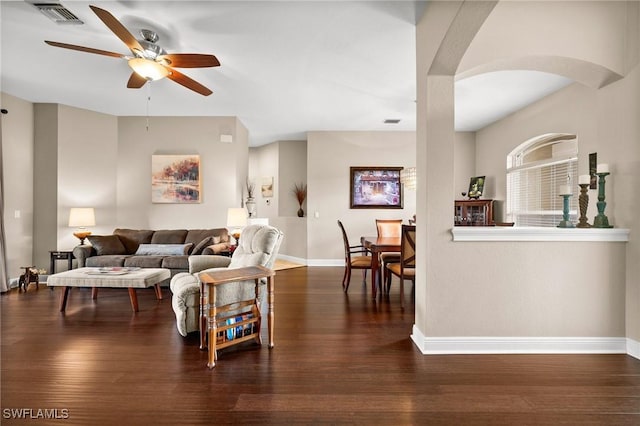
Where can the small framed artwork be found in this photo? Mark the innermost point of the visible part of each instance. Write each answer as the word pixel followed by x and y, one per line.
pixel 476 187
pixel 266 187
pixel 375 188
pixel 593 166
pixel 175 179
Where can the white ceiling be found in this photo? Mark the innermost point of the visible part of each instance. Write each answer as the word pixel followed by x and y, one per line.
pixel 287 67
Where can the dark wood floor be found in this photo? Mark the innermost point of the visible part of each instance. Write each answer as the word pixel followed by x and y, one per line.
pixel 338 360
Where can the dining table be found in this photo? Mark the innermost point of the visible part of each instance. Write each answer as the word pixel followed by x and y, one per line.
pixel 377 245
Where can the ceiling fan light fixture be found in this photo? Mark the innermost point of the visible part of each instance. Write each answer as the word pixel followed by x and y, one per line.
pixel 151 70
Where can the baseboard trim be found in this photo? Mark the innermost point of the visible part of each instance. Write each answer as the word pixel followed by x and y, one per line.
pixel 293 259
pixel 520 345
pixel 325 262
pixel 633 348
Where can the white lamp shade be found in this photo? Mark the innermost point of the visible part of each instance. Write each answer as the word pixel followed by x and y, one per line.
pixel 151 70
pixel 82 216
pixel 237 217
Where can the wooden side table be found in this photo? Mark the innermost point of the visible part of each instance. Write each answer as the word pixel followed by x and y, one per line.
pixel 60 255
pixel 250 323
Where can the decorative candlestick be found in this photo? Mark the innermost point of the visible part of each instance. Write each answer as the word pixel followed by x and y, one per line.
pixel 565 223
pixel 601 221
pixel 583 201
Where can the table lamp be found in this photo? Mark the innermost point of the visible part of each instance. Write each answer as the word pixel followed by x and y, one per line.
pixel 81 217
pixel 236 219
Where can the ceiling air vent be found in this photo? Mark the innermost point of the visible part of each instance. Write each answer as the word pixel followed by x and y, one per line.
pixel 57 13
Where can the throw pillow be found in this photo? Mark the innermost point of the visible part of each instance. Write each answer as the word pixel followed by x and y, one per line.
pixel 107 244
pixel 201 245
pixel 217 240
pixel 163 249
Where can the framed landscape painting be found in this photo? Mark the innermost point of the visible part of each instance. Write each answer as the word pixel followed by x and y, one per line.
pixel 375 188
pixel 175 179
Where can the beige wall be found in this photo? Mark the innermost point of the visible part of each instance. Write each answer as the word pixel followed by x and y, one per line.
pixel 502 289
pixel 223 170
pixel 619 137
pixel 86 169
pixel 45 182
pixel 572 110
pixel 292 170
pixel 464 167
pixel 79 158
pixel 329 157
pixel 286 162
pixel 18 171
pixel 589 31
pixel 264 162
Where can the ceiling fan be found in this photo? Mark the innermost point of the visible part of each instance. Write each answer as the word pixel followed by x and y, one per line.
pixel 149 60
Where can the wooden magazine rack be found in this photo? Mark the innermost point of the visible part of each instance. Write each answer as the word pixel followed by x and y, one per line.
pixel 218 327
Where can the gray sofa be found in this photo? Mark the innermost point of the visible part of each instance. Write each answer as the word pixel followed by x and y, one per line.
pixel 151 249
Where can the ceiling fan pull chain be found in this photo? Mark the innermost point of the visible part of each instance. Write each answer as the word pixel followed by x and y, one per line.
pixel 148 101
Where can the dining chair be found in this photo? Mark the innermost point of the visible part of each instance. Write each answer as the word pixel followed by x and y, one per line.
pixel 388 228
pixel 353 262
pixel 405 269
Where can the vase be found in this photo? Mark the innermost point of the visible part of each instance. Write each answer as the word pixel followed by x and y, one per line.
pixel 251 206
pixel 300 212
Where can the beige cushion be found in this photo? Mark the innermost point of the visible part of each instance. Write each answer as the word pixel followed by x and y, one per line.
pixel 395 268
pixel 257 246
pixel 216 248
pixel 361 261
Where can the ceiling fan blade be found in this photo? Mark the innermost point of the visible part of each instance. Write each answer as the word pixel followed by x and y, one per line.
pixel 117 28
pixel 189 83
pixel 84 49
pixel 136 81
pixel 189 60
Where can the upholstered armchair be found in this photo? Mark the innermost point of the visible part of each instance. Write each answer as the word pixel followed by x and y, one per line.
pixel 259 245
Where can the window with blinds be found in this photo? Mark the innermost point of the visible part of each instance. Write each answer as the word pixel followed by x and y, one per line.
pixel 535 170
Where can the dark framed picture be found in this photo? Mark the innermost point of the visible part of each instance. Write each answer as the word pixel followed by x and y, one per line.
pixel 375 188
pixel 476 187
pixel 593 166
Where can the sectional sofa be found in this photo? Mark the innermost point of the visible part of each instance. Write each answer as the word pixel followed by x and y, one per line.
pixel 151 249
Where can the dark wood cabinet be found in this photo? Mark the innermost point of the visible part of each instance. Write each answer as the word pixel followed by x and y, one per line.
pixel 473 213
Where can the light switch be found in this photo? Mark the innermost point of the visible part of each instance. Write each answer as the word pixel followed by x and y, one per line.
pixel 317 215
pixel 16 214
